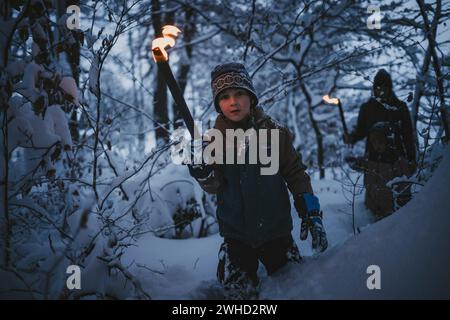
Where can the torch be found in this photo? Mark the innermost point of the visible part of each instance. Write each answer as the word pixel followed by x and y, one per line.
pixel 161 57
pixel 337 101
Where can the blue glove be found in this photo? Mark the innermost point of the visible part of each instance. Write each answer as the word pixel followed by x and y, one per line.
pixel 308 208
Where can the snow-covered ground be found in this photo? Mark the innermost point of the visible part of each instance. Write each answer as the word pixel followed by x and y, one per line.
pixel 187 263
pixel 411 247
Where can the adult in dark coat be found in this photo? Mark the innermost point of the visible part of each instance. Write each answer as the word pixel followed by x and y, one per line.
pixel 390 149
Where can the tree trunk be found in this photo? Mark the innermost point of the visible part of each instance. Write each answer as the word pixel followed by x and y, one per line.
pixel 419 89
pixel 188 34
pixel 430 31
pixel 5 225
pixel 316 128
pixel 73 58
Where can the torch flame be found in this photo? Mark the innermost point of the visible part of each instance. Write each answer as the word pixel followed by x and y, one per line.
pixel 170 31
pixel 159 52
pixel 329 100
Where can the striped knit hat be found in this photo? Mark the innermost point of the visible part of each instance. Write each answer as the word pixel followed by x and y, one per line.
pixel 231 75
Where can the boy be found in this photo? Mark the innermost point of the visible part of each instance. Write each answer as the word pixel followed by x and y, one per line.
pixel 253 210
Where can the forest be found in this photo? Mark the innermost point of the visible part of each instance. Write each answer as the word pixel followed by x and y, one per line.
pixel 88 184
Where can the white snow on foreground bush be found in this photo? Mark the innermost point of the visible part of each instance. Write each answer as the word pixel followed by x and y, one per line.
pixel 411 248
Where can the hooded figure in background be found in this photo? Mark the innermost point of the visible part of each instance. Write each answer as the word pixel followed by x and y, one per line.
pixel 390 149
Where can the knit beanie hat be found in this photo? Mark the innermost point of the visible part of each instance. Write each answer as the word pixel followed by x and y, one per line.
pixel 231 75
pixel 382 78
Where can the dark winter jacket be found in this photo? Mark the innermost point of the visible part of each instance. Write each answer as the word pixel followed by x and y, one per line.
pixel 255 208
pixel 397 115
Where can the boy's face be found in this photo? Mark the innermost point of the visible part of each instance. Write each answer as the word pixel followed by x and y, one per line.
pixel 235 104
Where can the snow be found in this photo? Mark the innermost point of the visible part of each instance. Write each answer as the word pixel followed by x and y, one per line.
pixel 193 262
pixel 26 124
pixel 385 105
pixel 69 85
pixel 184 264
pixel 59 122
pixel 35 134
pixel 410 247
pixel 28 86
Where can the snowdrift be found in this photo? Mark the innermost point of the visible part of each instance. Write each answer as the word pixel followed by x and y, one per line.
pixel 411 247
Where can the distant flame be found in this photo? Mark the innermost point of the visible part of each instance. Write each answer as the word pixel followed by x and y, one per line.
pixel 159 52
pixel 329 100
